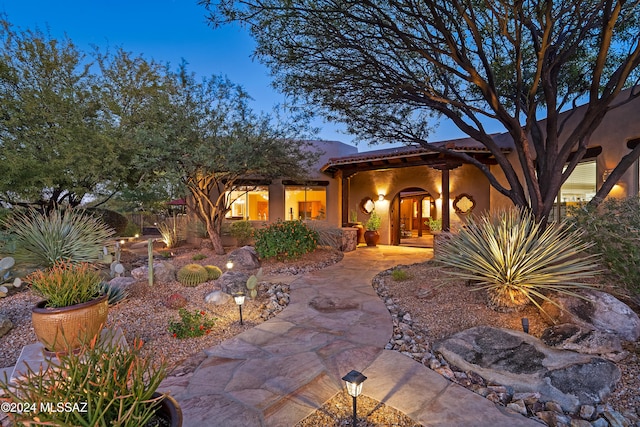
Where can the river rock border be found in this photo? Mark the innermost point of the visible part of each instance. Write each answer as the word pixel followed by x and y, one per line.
pixel 410 340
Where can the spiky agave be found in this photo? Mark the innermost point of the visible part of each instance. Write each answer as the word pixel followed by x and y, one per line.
pixel 516 260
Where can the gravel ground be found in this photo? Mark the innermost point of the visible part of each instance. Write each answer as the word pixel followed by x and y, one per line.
pixel 438 305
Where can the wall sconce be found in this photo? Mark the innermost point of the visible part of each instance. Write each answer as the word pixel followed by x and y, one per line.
pixel 354 380
pixel 606 174
pixel 239 299
pixel 380 197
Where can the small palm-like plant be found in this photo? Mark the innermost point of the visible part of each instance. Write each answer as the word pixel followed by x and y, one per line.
pixel 516 260
pixel 44 239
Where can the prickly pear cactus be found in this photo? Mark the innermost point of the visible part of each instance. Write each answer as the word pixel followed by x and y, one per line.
pixel 192 275
pixel 252 283
pixel 214 272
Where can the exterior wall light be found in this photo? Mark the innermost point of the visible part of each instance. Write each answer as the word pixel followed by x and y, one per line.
pixel 239 299
pixel 354 380
pixel 380 197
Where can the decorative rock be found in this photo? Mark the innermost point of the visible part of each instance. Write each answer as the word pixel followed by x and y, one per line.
pixel 232 282
pixel 175 301
pixel 245 258
pixel 122 282
pixel 217 298
pixel 553 406
pixel 163 272
pixel 523 362
pixel 600 422
pixel 518 406
pixel 349 239
pixel 5 325
pixel 553 419
pixel 579 423
pixel 586 412
pixel 599 310
pixel 615 419
pixel 576 338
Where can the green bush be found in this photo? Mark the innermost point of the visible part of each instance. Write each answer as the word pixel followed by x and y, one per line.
pixel 614 231
pixel 511 256
pixel 198 257
pixel 191 324
pixel 131 230
pixel 285 240
pixel 43 239
pixel 113 219
pixel 399 274
pixel 242 231
pixel 373 223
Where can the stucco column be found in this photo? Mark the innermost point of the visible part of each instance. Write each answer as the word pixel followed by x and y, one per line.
pixel 345 200
pixel 446 222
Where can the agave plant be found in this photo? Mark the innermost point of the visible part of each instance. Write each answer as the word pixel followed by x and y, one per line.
pixel 516 260
pixel 72 235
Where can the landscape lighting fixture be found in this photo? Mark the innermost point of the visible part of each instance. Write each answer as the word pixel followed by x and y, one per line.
pixel 239 299
pixel 354 380
pixel 229 265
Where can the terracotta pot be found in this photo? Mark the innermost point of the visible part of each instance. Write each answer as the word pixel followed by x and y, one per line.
pixel 169 410
pixel 360 228
pixel 60 329
pixel 371 237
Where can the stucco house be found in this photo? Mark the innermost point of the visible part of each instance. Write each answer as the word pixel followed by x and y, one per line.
pixel 409 185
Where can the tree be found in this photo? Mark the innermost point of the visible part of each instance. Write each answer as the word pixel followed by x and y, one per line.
pixel 384 68
pixel 213 142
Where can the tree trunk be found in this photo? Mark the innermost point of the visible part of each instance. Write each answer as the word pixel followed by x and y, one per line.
pixel 216 240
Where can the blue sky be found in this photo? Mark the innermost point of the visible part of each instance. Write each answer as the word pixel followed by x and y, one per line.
pixel 167 31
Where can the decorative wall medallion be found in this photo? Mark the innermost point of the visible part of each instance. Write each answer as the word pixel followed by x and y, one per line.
pixel 463 204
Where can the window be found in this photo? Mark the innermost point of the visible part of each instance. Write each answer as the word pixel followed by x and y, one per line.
pixel 580 187
pixel 305 202
pixel 250 203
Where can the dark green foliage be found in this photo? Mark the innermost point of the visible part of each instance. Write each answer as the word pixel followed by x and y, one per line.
pixel 198 257
pixel 113 219
pixel 285 240
pixel 191 324
pixel 243 231
pixel 214 272
pixel 131 229
pixel 192 275
pixel 614 231
pixel 399 275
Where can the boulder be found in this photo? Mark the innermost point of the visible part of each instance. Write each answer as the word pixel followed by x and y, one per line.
pixel 245 258
pixel 576 338
pixel 5 325
pixel 525 364
pixel 122 282
pixel 232 282
pixel 163 272
pixel 217 298
pixel 597 310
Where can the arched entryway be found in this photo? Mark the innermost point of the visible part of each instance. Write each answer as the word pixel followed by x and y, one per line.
pixel 409 214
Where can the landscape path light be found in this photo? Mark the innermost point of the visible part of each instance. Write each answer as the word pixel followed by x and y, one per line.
pixel 229 265
pixel 354 380
pixel 239 299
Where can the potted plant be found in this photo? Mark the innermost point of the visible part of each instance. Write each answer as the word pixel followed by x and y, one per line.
pixel 105 384
pixel 73 311
pixel 371 236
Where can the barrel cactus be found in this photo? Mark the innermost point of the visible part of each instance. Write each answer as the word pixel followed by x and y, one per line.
pixel 192 275
pixel 214 272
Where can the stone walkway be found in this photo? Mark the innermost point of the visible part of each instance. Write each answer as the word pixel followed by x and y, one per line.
pixel 281 371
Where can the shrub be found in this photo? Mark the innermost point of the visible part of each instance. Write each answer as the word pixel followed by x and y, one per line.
pixel 198 257
pixel 192 275
pixel 242 231
pixel 43 239
pixel 113 219
pixel 66 284
pixel 191 324
pixel 131 229
pixel 614 231
pixel 515 260
pixel 170 233
pixel 373 223
pixel 285 240
pixel 214 272
pixel 399 274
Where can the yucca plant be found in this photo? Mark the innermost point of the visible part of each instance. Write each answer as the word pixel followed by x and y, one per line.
pixel 516 260
pixel 170 234
pixel 72 235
